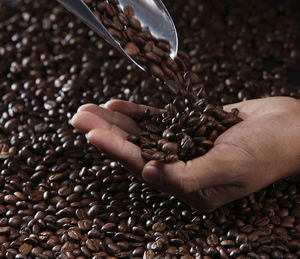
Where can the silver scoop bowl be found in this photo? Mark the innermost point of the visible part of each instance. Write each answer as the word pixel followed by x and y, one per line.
pixel 151 13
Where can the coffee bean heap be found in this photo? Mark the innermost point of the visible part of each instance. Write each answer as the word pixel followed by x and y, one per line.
pixel 180 133
pixel 62 198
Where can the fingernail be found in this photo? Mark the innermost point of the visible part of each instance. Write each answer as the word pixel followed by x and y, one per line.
pixel 71 121
pixel 87 135
pixel 153 175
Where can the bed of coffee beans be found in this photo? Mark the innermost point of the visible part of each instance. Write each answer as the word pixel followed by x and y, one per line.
pixel 62 198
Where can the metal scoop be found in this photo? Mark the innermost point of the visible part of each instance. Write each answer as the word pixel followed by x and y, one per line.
pixel 151 13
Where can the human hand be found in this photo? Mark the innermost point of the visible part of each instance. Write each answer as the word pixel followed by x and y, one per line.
pixel 261 149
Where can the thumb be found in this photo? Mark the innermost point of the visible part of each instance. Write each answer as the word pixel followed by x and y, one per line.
pixel 213 169
pixel 204 183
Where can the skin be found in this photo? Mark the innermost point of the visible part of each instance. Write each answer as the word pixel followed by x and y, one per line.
pixel 258 151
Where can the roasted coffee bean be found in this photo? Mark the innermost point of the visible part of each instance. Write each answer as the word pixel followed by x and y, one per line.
pixel 148 154
pixel 159 227
pixel 212 240
pixel 157 71
pixel 168 134
pixel 85 224
pixel 132 49
pixel 170 147
pixel 186 143
pixel 93 244
pixel 139 251
pixel 171 158
pixel 75 234
pixel 113 248
pixel 25 249
pixel 108 227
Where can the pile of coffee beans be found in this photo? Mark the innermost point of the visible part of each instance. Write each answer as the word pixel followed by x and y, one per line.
pixel 62 198
pixel 180 133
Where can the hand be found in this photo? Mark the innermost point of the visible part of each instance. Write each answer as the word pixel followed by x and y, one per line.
pixel 261 149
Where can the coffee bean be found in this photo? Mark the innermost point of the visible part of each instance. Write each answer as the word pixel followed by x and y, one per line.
pixel 52 241
pixel 75 234
pixel 108 227
pixel 241 238
pixel 131 49
pixel 168 134
pixel 186 143
pixel 152 128
pixel 152 57
pixel 245 247
pixel 129 11
pixel 25 249
pixel 64 191
pixel 170 147
pixel 210 251
pixel 148 154
pixel 262 222
pixel 212 240
pixel 227 243
pixel 36 251
pixel 4 230
pixel 94 233
pixel 159 226
pixel 158 156
pixel 15 221
pixel 171 158
pixel 2 209
pixel 81 214
pixel 93 244
pixel 113 248
pixel 85 224
pixel 156 71
pixel 10 199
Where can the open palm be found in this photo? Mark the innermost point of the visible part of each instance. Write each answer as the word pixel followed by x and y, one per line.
pixel 250 155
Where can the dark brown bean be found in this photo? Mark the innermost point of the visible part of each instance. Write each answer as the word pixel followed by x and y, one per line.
pixel 25 249
pixel 132 49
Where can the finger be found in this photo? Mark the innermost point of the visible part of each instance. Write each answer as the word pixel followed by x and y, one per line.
pixel 171 178
pixel 264 105
pixel 205 184
pixel 254 106
pixel 174 179
pixel 130 108
pixel 113 117
pixel 118 148
pixel 86 121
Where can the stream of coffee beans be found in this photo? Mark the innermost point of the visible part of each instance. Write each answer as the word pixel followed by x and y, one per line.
pixel 62 198
pixel 150 52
